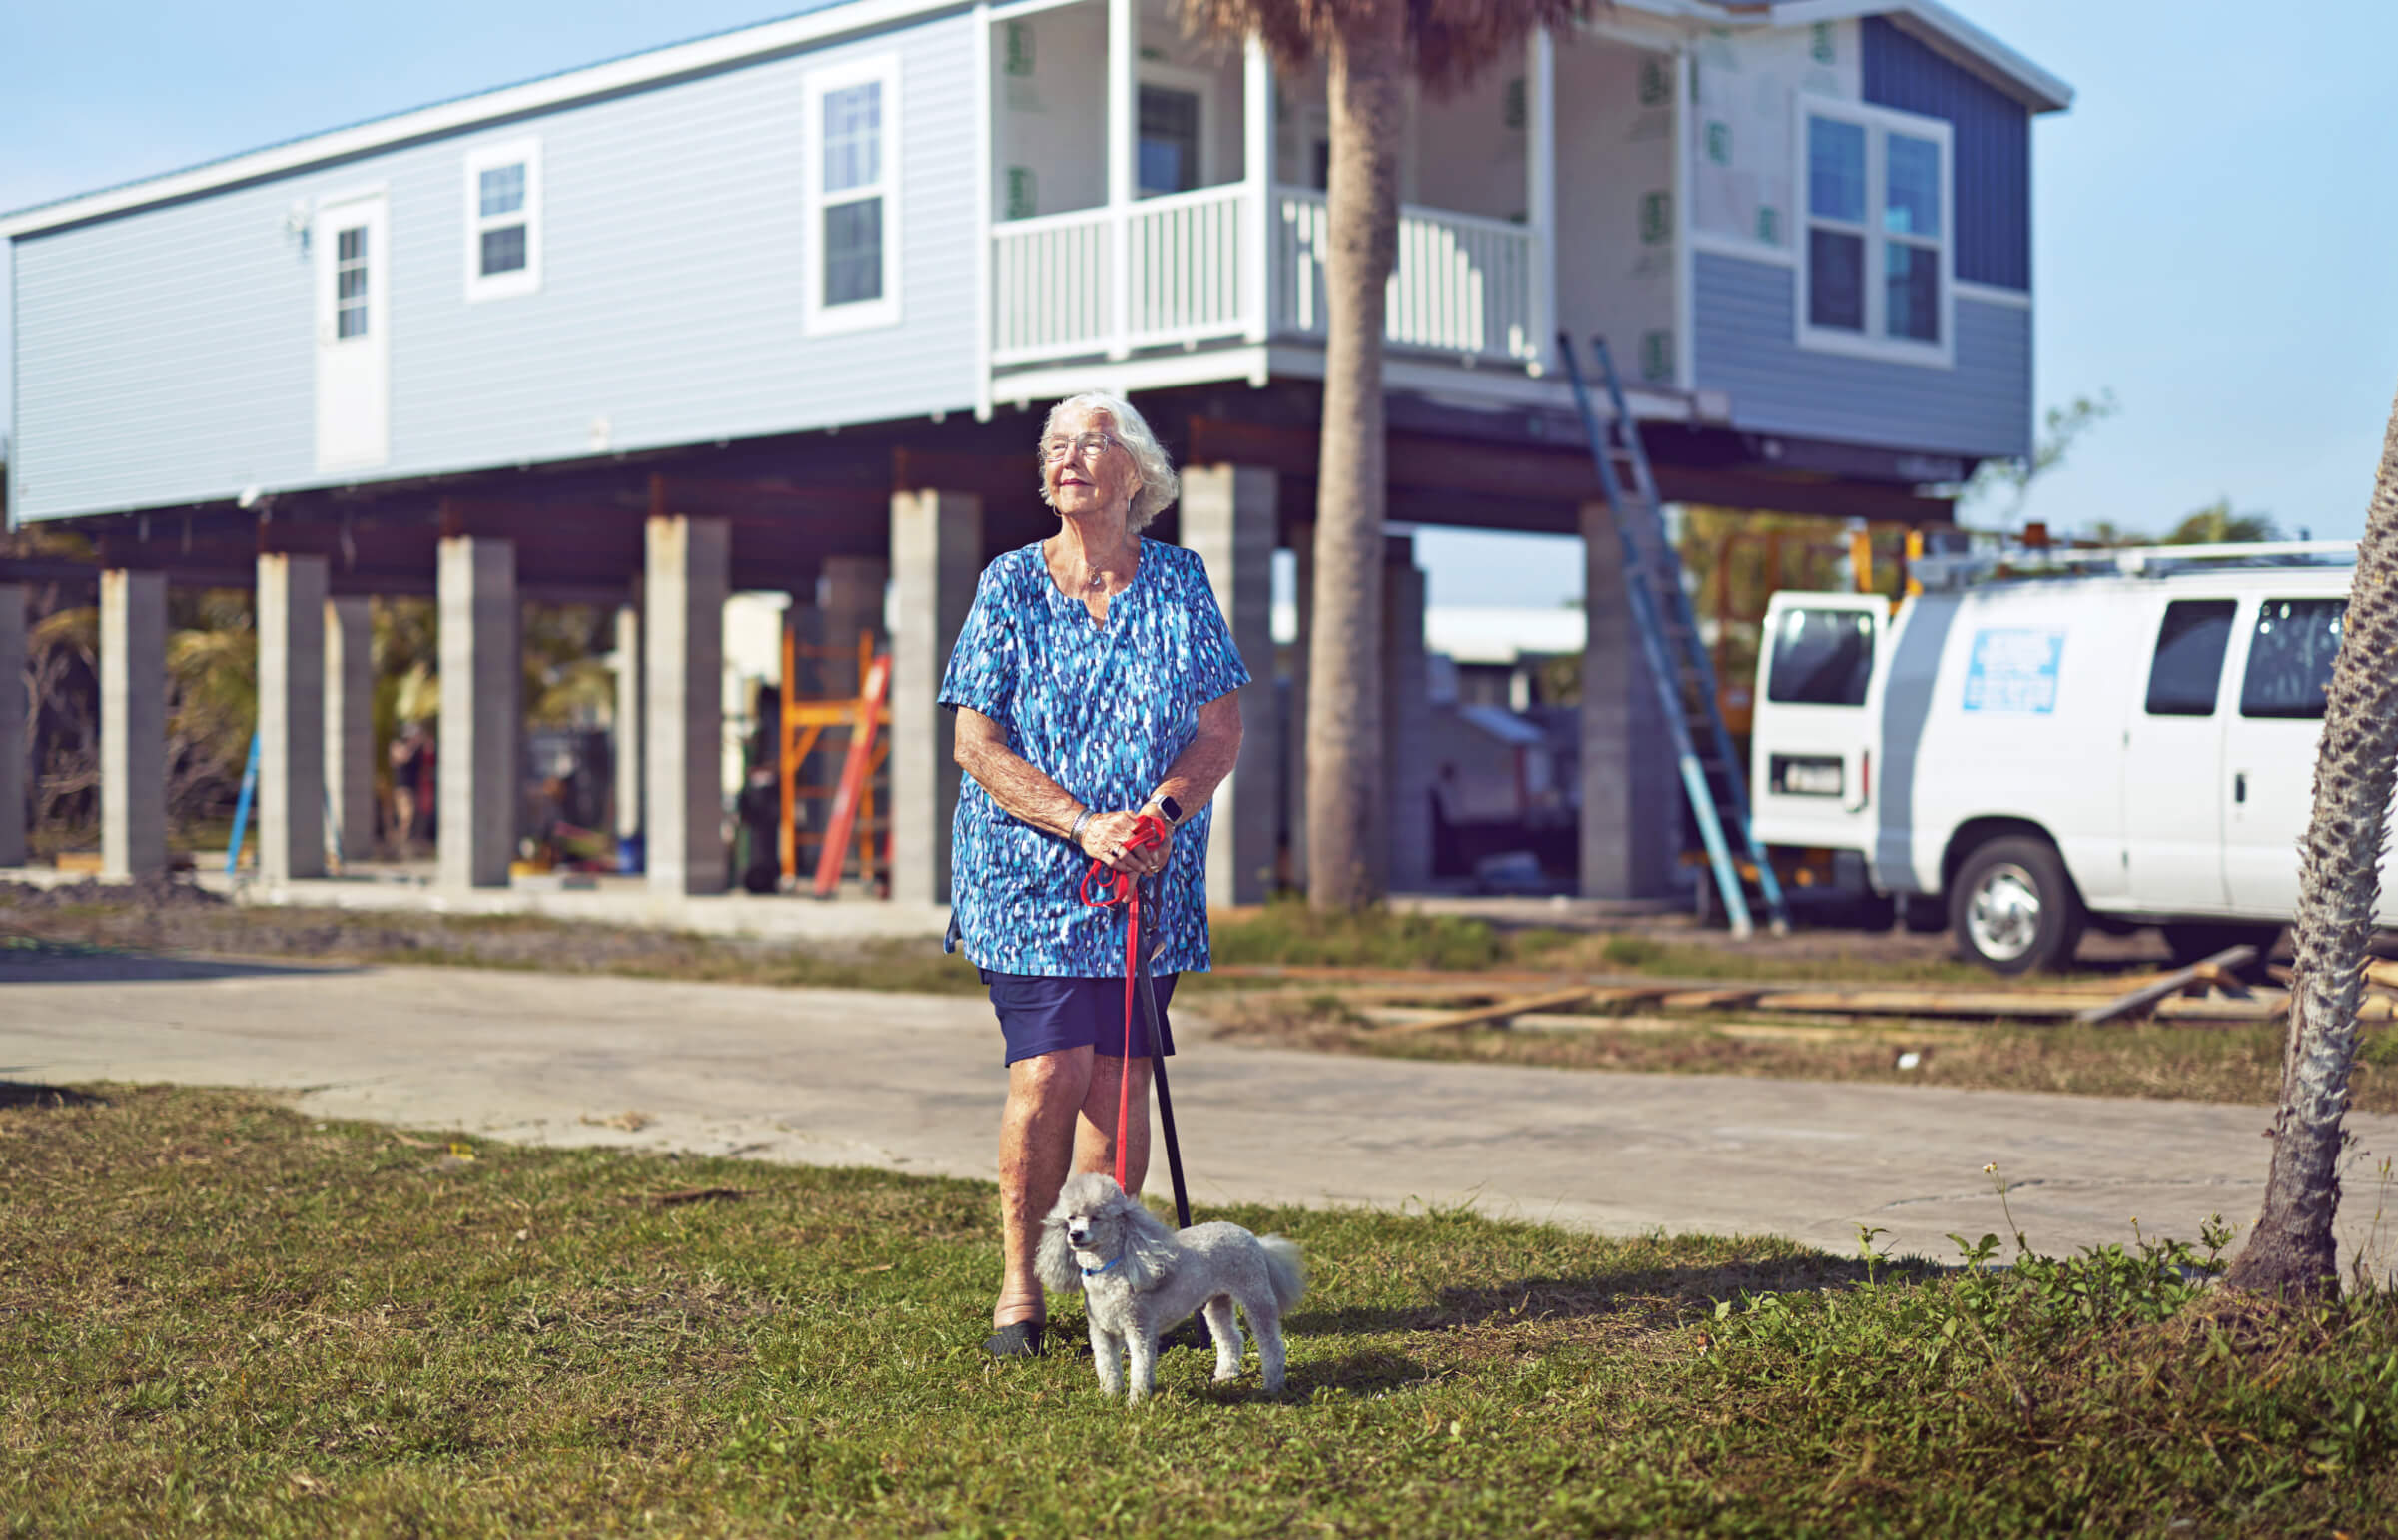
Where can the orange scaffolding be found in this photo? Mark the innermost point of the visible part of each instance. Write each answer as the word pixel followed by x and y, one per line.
pixel 805 721
pixel 1733 685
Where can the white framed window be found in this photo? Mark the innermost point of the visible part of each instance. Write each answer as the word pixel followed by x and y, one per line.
pixel 1177 116
pixel 503 220
pixel 1877 248
pixel 849 255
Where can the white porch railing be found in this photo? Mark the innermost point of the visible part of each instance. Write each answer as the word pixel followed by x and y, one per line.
pixel 1186 253
pixel 1464 286
pixel 1052 292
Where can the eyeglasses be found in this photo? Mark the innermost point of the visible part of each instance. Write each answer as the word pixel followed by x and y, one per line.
pixel 1085 448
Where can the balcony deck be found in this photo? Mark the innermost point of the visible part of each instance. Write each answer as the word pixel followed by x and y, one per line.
pixel 1191 270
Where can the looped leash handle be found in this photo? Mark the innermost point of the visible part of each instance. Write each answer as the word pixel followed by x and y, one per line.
pixel 1119 887
pixel 1124 888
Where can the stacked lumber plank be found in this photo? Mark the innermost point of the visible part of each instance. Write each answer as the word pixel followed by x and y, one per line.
pixel 2209 992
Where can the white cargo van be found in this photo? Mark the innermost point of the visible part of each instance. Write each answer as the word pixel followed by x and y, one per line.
pixel 2118 740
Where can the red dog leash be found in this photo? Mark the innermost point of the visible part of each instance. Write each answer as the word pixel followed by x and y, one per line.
pixel 1124 888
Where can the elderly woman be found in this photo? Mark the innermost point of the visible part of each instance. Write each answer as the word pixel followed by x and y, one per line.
pixel 1094 682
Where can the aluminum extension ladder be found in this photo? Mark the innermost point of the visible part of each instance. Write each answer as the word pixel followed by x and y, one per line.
pixel 1678 662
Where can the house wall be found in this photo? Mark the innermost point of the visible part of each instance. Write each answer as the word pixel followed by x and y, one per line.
pixel 1747 349
pixel 1746 215
pixel 1301 121
pixel 1166 50
pixel 168 354
pixel 1744 166
pixel 1992 150
pixel 1053 119
pixel 1467 155
pixel 1050 105
pixel 1616 229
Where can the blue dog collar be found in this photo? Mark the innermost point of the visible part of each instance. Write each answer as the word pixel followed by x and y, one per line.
pixel 1092 1272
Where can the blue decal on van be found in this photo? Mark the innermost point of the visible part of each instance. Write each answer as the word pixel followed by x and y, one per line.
pixel 2013 670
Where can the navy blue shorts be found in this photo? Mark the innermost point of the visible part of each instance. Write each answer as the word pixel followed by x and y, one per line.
pixel 1041 1015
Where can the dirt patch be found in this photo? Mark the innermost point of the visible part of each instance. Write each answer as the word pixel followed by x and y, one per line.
pixel 2158 1060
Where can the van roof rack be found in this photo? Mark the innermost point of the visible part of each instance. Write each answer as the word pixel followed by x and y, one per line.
pixel 2019 563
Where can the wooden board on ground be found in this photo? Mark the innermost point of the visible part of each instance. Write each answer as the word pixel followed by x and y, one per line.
pixel 2250 1009
pixel 1484 999
pixel 1500 1011
pixel 1801 1029
pixel 2013 1005
pixel 1709 999
pixel 2211 970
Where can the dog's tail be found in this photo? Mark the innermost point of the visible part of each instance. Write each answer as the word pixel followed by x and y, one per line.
pixel 1286 1269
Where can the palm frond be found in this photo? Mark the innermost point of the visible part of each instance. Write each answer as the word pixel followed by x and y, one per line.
pixel 1450 42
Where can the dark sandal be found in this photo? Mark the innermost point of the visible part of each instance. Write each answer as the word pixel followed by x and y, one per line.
pixel 1016 1339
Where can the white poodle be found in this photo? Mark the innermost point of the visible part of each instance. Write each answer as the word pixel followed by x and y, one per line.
pixel 1138 1279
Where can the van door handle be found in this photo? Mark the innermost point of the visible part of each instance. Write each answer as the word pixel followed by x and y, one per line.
pixel 2240 786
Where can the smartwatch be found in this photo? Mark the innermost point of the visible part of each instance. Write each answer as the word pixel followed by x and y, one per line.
pixel 1171 810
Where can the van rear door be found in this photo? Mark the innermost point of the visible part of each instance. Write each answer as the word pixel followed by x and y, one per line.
pixel 2173 760
pixel 1811 748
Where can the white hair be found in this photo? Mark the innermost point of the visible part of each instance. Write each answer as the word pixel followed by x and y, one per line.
pixel 1158 484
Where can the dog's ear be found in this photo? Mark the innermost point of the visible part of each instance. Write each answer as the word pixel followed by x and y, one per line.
pixel 1053 1260
pixel 1149 1246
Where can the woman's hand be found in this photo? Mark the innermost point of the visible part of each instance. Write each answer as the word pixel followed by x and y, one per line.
pixel 1103 841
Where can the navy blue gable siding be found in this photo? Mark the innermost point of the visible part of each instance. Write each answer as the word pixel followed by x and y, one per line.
pixel 1993 147
pixel 1746 347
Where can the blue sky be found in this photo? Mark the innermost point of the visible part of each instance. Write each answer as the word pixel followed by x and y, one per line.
pixel 2208 242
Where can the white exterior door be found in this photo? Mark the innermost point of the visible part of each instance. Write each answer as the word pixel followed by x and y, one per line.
pixel 353 335
pixel 2174 782
pixel 1812 735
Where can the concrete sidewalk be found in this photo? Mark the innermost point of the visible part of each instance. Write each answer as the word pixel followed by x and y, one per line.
pixel 913 1083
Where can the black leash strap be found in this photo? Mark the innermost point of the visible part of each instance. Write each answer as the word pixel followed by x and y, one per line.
pixel 1160 1046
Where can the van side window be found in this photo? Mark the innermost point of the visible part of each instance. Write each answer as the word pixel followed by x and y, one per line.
pixel 2290 657
pixel 2189 657
pixel 1822 657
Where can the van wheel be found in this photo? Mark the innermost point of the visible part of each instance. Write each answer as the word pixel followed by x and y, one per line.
pixel 2014 910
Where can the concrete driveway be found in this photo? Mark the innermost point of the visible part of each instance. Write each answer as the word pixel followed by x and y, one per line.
pixel 913 1083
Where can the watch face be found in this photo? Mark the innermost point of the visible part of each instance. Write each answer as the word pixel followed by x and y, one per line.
pixel 1172 809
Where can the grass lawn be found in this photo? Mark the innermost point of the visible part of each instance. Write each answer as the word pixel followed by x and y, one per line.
pixel 227 1320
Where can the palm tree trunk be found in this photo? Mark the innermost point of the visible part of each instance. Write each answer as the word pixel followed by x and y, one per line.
pixel 1345 836
pixel 2292 1251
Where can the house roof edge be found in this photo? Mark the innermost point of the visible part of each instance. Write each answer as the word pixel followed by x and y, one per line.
pixel 629 71
pixel 1928 19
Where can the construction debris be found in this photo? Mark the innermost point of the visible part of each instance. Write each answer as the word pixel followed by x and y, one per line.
pixel 1497 1013
pixel 2211 991
pixel 2217 971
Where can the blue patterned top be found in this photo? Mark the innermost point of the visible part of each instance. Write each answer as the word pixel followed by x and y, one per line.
pixel 1103 711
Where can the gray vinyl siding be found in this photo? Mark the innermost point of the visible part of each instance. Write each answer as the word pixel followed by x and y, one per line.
pixel 166 356
pixel 1747 347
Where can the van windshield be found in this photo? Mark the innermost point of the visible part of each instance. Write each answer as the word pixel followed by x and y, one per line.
pixel 1821 657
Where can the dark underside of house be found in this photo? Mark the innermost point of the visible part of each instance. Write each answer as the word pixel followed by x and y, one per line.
pixel 795 499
